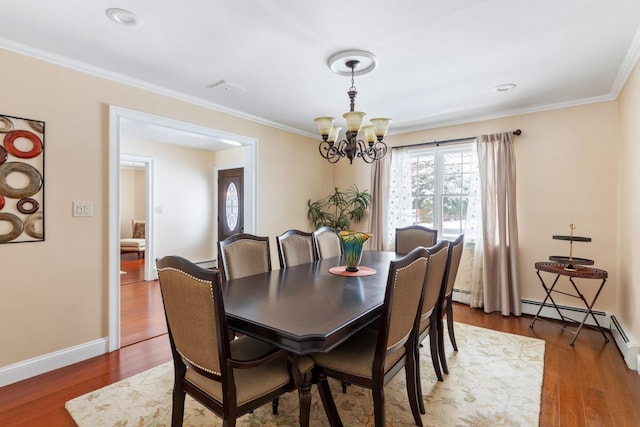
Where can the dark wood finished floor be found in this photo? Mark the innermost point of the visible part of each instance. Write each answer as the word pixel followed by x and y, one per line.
pixel 584 385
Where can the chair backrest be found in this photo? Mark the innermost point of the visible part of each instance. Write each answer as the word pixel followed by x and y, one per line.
pixel 195 315
pixel 137 229
pixel 438 256
pixel 295 247
pixel 244 255
pixel 412 236
pixel 327 243
pixel 455 254
pixel 402 302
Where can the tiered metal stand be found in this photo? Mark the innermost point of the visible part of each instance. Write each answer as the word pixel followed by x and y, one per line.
pixel 572 268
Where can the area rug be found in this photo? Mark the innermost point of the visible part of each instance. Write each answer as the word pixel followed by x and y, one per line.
pixel 495 379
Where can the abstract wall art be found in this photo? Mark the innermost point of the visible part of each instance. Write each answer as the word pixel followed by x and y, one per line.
pixel 21 180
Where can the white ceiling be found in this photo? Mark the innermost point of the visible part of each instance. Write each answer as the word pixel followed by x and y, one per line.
pixel 438 60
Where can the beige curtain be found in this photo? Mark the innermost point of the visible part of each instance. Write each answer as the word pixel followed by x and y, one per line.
pixel 497 169
pixel 379 202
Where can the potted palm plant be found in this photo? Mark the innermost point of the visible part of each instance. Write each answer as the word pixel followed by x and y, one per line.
pixel 339 208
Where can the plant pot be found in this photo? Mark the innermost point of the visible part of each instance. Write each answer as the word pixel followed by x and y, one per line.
pixel 352 244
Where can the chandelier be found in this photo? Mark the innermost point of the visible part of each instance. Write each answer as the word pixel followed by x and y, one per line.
pixel 372 147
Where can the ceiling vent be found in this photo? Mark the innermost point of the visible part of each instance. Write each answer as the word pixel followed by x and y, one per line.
pixel 223 86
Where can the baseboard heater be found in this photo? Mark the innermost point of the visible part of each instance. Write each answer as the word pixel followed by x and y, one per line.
pixel 628 349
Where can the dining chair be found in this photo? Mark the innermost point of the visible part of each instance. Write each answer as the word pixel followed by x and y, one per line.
pixel 373 356
pixel 244 255
pixel 432 299
pixel 295 247
pixel 413 236
pixel 446 308
pixel 327 243
pixel 229 377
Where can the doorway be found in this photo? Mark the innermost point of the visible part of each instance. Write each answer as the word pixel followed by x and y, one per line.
pixel 208 136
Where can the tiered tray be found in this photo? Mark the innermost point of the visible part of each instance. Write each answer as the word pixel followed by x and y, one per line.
pixel 571 261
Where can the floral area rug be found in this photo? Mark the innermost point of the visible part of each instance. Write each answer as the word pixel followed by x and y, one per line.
pixel 495 379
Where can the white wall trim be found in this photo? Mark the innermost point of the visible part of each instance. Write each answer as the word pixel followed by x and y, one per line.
pixel 150 272
pixel 575 313
pixel 58 359
pixel 115 115
pixel 628 348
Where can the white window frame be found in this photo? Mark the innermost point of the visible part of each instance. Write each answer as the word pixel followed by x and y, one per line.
pixel 439 152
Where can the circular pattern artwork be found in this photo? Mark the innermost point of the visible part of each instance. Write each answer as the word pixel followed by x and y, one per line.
pixel 21 179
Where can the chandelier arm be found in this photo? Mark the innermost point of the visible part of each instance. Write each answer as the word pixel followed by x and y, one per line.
pixel 331 153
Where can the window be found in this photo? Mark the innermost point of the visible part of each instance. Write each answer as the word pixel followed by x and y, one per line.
pixel 431 187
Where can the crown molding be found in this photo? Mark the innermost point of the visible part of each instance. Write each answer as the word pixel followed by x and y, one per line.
pixel 137 83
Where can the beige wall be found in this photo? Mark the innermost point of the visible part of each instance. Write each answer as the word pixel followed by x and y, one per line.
pixel 566 173
pixel 628 295
pixel 54 294
pixel 132 199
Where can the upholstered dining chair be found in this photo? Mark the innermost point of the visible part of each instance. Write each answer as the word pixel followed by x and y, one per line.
pixel 244 255
pixel 373 356
pixel 453 263
pixel 327 243
pixel 229 377
pixel 429 317
pixel 295 247
pixel 413 236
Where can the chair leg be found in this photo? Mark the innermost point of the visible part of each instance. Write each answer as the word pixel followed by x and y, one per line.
pixel 414 389
pixel 344 386
pixel 441 354
pixel 452 335
pixel 418 380
pixel 433 346
pixel 378 406
pixel 274 406
pixel 177 411
pixel 327 401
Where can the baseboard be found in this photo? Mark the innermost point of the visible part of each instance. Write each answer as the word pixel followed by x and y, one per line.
pixel 575 313
pixel 628 348
pixel 39 365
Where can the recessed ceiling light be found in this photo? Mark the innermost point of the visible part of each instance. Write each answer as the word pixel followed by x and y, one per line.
pixel 505 87
pixel 122 16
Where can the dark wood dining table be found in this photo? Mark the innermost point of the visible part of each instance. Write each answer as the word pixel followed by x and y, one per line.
pixel 306 308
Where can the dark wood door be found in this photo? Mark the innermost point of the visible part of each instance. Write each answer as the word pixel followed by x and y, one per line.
pixel 230 202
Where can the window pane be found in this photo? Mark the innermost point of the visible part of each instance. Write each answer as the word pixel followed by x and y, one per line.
pixel 454 212
pixel 423 211
pixel 453 184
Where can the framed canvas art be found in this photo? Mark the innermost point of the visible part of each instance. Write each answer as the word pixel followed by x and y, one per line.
pixel 21 180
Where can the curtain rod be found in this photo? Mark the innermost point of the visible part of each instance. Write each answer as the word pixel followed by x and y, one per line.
pixel 449 141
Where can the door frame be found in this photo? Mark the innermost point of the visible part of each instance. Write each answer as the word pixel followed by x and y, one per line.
pixel 117 113
pixel 149 255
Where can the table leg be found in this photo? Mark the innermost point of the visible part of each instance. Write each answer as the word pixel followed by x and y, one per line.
pixel 548 291
pixel 589 311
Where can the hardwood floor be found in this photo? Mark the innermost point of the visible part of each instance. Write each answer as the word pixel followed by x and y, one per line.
pixel 585 385
pixel 141 312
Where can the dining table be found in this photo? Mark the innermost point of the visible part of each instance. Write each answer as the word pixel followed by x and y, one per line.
pixel 307 308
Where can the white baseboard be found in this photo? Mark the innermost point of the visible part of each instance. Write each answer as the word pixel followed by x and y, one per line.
pixel 575 313
pixel 39 365
pixel 628 348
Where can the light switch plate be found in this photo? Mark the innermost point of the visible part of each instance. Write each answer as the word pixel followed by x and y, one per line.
pixel 82 209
